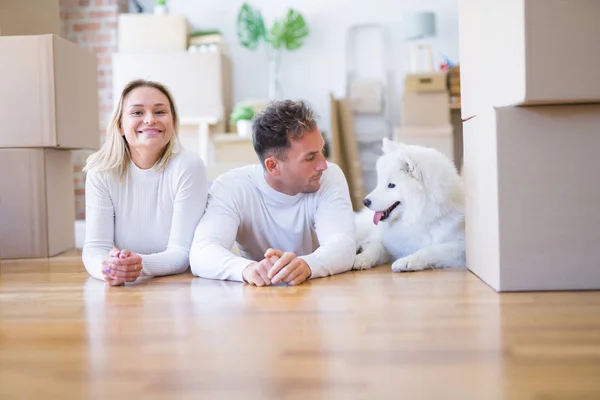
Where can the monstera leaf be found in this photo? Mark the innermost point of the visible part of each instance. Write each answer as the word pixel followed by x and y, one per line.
pixel 250 26
pixel 289 32
pixel 275 37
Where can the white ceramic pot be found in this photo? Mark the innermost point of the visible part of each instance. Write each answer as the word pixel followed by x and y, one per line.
pixel 160 9
pixel 244 128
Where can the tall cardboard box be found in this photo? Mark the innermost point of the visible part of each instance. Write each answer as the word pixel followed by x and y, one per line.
pixel 528 52
pixel 439 137
pixel 532 197
pixel 144 33
pixel 37 206
pixel 49 93
pixel 199 82
pixel 427 109
pixel 232 148
pixel 29 17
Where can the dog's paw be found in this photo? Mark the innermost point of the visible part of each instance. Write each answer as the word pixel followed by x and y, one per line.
pixel 409 264
pixel 362 262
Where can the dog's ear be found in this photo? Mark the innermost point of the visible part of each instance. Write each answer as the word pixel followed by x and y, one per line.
pixel 388 146
pixel 410 168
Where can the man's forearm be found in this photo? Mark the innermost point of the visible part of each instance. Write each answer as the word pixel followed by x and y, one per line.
pixel 334 257
pixel 213 261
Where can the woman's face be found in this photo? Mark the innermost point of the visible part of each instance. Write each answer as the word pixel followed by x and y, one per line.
pixel 147 121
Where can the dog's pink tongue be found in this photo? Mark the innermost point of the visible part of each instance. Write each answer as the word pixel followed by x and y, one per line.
pixel 377 217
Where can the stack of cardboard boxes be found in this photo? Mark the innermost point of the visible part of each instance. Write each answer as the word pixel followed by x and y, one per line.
pixel 454 84
pixel 48 106
pixel 154 47
pixel 531 108
pixel 426 113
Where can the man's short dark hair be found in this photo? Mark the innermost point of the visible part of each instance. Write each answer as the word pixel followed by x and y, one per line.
pixel 279 123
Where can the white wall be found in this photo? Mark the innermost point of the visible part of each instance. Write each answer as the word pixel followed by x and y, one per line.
pixel 318 68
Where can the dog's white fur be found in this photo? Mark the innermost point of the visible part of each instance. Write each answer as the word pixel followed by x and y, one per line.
pixel 427 229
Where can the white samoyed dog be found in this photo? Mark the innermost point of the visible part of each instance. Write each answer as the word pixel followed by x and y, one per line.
pixel 415 216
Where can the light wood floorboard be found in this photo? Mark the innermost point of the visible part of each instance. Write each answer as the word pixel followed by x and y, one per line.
pixel 361 335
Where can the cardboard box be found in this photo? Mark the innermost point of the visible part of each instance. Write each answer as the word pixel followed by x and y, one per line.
pixel 29 17
pixel 149 33
pixel 49 95
pixel 440 138
pixel 454 72
pixel 528 52
pixel 532 196
pixel 229 151
pixel 425 82
pixel 455 89
pixel 209 39
pixel 37 203
pixel 199 82
pixel 233 148
pixel 425 109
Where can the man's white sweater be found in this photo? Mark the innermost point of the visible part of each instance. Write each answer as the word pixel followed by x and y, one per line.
pixel 245 209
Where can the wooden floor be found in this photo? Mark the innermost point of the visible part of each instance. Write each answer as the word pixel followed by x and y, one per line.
pixel 361 335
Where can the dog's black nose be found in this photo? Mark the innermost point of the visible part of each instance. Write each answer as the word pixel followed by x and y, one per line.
pixel 367 202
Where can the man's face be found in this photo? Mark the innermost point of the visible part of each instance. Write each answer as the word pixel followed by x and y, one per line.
pixel 303 164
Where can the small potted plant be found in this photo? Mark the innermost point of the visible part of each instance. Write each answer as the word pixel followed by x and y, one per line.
pixel 160 7
pixel 242 116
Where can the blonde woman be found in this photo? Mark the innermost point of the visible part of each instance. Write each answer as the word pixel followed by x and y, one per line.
pixel 144 194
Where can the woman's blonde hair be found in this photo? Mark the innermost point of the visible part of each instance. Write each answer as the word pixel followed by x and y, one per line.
pixel 115 155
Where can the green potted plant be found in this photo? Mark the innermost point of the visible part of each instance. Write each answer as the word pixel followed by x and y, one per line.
pixel 160 7
pixel 241 116
pixel 287 33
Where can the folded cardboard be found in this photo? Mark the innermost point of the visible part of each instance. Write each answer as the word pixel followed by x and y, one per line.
pixel 425 82
pixel 143 33
pixel 37 205
pixel 528 52
pixel 532 196
pixel 199 82
pixel 29 17
pixel 344 148
pixel 49 90
pixel 425 109
pixel 438 137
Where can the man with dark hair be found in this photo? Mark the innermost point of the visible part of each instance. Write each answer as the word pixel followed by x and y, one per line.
pixel 291 216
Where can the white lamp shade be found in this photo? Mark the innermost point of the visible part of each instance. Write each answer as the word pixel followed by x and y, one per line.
pixel 419 25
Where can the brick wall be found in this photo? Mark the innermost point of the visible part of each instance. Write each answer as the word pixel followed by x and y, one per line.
pixel 92 24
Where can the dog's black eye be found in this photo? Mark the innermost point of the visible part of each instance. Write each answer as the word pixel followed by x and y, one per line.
pixel 391 185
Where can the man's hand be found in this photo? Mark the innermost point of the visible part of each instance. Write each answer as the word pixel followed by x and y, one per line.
pixel 288 269
pixel 122 266
pixel 256 273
